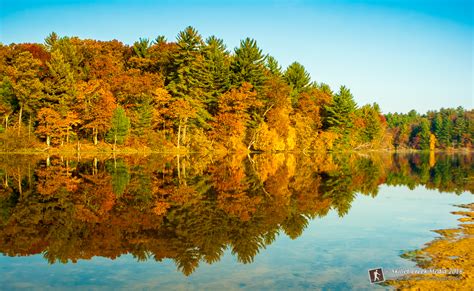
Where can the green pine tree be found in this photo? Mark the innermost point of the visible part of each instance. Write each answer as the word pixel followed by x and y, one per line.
pixel 248 64
pixel 298 78
pixel 120 127
pixel 338 113
pixel 424 134
pixel 188 76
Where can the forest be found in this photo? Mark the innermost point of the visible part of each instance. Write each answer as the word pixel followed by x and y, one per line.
pixel 194 94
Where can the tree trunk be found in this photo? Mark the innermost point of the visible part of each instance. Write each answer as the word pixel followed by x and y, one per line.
pixel 115 141
pixel 48 140
pixel 179 170
pixel 29 127
pixel 95 167
pixel 19 120
pixel 184 130
pixel 95 135
pixel 6 122
pixel 179 134
pixel 19 181
pixel 67 135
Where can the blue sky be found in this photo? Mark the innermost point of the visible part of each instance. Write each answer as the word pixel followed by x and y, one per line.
pixel 405 54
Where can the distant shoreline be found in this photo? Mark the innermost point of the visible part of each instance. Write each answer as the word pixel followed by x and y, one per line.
pixel 183 151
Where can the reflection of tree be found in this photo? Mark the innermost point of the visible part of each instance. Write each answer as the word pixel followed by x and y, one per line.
pixel 71 210
pixel 120 176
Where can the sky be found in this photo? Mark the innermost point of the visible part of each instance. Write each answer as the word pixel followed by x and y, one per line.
pixel 402 54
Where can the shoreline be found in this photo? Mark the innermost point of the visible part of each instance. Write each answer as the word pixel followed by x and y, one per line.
pixel 454 250
pixel 146 150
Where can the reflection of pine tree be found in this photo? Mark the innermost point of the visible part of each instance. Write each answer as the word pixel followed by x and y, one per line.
pixel 120 175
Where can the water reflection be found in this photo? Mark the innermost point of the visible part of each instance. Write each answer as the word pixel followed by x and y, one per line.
pixel 191 209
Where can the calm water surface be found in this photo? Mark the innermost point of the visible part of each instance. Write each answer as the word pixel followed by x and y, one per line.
pixel 261 222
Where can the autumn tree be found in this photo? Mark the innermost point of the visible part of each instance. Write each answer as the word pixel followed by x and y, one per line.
pixel 233 115
pixel 182 111
pixel 96 105
pixel 25 83
pixel 372 129
pixel 276 132
pixel 49 125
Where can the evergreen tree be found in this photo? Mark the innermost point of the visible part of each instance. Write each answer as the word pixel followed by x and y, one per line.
pixel 273 66
pixel 60 85
pixel 120 127
pixel 248 64
pixel 160 40
pixel 459 127
pixel 217 62
pixel 187 78
pixel 144 118
pixel 298 78
pixel 338 113
pixel 7 100
pixel 424 135
pixel 446 127
pixel 120 175
pixel 141 48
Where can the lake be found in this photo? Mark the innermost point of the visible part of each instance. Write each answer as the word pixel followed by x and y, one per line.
pixel 278 221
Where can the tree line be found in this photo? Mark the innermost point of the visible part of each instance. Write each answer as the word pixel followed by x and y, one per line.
pixel 196 94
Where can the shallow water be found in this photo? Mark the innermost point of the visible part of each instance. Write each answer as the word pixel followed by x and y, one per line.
pixel 261 222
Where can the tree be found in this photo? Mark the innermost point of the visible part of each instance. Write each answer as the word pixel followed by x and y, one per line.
pixel 60 85
pixel 424 135
pixel 120 126
pixel 298 78
pixel 338 114
pixel 25 83
pixel 181 110
pixel 186 79
pixel 144 116
pixel 372 129
pixel 273 66
pixel 233 115
pixel 49 125
pixel 141 47
pixel 248 65
pixel 7 100
pixel 96 105
pixel 217 62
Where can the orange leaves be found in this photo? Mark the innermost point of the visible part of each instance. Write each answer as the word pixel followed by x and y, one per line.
pixel 238 101
pixel 233 115
pixel 160 208
pixel 49 125
pixel 96 105
pixel 181 109
pixel 132 85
